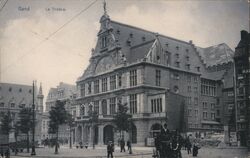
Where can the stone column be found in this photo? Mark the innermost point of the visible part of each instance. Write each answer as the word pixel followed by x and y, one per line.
pixel 100 134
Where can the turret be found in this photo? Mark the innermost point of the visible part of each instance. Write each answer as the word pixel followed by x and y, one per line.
pixel 40 97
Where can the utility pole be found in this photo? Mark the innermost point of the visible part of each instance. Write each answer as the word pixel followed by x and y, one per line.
pixel 33 152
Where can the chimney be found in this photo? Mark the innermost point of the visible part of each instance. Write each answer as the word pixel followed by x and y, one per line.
pixel 244 35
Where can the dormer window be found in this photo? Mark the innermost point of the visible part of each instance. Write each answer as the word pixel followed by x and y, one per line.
pixel 188 66
pixel 198 69
pixel 166 44
pixel 177 56
pixel 131 35
pixel 177 64
pixel 143 39
pixel 104 42
pixel 128 42
pixel 177 47
pixel 10 89
pixel 118 32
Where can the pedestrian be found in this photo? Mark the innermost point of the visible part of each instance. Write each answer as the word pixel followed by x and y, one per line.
pixel 188 145
pixel 122 145
pixel 129 147
pixel 110 149
pixel 196 147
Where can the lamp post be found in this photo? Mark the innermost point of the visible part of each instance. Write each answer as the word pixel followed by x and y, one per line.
pixel 33 152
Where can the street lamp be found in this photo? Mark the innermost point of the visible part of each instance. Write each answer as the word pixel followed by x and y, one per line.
pixel 33 152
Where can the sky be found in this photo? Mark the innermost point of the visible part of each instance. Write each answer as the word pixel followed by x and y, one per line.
pixel 49 41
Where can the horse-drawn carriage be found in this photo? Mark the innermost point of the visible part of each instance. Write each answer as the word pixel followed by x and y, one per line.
pixel 168 145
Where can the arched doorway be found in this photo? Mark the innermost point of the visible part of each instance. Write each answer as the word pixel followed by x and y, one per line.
pixel 134 134
pixel 155 129
pixel 108 134
pixel 104 107
pixel 96 134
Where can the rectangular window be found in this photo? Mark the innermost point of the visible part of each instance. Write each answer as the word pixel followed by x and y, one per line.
pixel 204 115
pixel 112 105
pixel 82 90
pixel 96 106
pixel 104 85
pixel 96 86
pixel 104 42
pixel 158 77
pixel 177 64
pixel 156 105
pixel 208 87
pixel 2 104
pixel 230 93
pixel 112 82
pixel 133 78
pixel 120 81
pixel 89 88
pixel 196 101
pixel 188 78
pixel 188 66
pixel 196 113
pixel 133 103
pixel 195 79
pixel 189 100
pixel 195 89
pixel 204 105
pixel 189 89
pixel 212 106
pixel 189 112
pixel 212 116
pixel 12 105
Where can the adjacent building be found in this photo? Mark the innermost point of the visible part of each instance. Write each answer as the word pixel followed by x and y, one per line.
pixel 63 92
pixel 14 97
pixel 242 72
pixel 160 78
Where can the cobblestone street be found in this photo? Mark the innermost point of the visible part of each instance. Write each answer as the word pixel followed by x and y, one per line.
pixel 140 152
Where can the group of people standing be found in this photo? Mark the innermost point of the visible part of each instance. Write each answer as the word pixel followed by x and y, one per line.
pixel 111 147
pixel 169 144
pixel 188 145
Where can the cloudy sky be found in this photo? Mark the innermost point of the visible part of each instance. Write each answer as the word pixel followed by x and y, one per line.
pixel 32 47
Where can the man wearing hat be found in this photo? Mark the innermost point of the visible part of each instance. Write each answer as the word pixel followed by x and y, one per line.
pixel 110 149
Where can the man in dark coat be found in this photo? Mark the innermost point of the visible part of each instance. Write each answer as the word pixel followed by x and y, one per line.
pixel 110 149
pixel 122 145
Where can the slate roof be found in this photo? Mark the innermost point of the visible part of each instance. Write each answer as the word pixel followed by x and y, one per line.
pixel 216 55
pixel 16 93
pixel 135 43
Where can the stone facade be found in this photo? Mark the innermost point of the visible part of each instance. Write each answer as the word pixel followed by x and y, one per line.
pixel 242 71
pixel 14 97
pixel 63 92
pixel 147 70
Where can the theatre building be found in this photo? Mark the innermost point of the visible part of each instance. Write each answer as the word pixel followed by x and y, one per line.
pixel 159 77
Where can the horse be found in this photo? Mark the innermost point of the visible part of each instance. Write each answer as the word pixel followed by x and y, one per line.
pixel 168 145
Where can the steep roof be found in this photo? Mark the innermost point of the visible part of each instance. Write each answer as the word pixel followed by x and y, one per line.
pixel 136 43
pixel 216 55
pixel 16 93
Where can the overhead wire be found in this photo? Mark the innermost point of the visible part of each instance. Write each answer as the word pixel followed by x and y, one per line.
pixel 48 37
pixel 3 5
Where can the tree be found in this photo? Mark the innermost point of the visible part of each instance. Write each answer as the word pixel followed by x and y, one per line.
pixel 6 123
pixel 70 122
pixel 6 128
pixel 25 123
pixel 122 119
pixel 58 116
